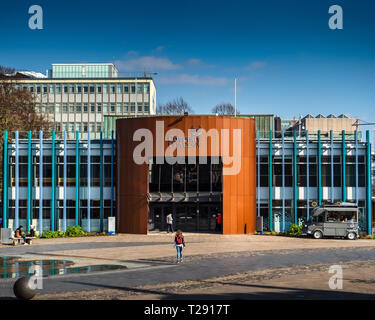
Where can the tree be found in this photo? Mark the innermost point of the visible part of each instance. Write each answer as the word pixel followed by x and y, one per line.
pixel 224 108
pixel 17 109
pixel 177 106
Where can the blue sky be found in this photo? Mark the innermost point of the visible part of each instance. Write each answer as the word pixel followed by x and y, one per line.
pixel 287 61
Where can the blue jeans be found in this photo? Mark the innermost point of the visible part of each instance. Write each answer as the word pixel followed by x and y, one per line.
pixel 179 253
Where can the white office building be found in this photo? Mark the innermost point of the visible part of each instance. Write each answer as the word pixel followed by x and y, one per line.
pixel 76 97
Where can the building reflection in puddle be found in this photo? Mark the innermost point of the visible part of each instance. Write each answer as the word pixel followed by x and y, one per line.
pixel 14 267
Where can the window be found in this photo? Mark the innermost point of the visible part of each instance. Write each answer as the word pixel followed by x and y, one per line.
pixel 51 108
pixel 65 108
pixel 99 107
pixel 79 126
pixel 146 108
pixel 132 107
pixel 119 88
pixel 98 126
pixel 133 88
pixel 71 88
pixel 126 107
pixel 65 88
pixel 126 88
pixel 92 88
pixel 85 107
pixel 350 172
pixel 112 108
pixel 51 88
pixel 264 174
pixel 92 126
pixel 302 171
pixel 58 108
pixel 70 204
pixel 85 88
pixel 45 88
pixel 327 167
pixel 65 126
pixel 78 88
pixel 146 88
pixel 92 107
pixel 139 88
pixel 119 108
pixel 99 88
pixel 140 108
pixel 85 127
pixel 71 107
pixel 37 88
pixel 78 107
pixel 71 127
pixel 105 88
pixel 277 179
pixel 113 88
pixel 58 88
pixel 105 107
pixel 37 108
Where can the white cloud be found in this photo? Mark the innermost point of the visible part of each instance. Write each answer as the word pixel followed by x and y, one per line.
pixel 146 63
pixel 256 65
pixel 197 63
pixel 193 80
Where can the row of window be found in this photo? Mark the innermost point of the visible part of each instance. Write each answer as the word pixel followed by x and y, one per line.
pixel 185 177
pixel 70 209
pixel 98 88
pixel 312 173
pixel 106 108
pixel 78 126
pixel 70 171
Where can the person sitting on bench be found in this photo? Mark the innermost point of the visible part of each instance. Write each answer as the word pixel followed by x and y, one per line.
pixel 18 234
pixel 31 234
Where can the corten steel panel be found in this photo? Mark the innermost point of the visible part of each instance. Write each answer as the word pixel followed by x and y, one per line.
pixel 239 191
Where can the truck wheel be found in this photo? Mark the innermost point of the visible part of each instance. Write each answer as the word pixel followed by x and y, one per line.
pixel 351 236
pixel 317 235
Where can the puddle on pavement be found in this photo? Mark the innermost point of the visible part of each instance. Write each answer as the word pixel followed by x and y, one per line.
pixel 13 267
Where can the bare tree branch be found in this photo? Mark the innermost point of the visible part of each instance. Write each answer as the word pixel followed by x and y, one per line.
pixel 177 106
pixel 224 108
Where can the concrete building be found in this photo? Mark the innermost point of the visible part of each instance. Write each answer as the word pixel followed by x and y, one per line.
pixel 325 124
pixel 77 97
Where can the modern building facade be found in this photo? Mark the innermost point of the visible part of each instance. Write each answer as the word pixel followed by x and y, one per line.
pixel 296 172
pixel 77 97
pixel 54 183
pixel 47 181
pixel 194 167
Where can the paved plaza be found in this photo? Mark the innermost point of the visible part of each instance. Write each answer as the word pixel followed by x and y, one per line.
pixel 234 267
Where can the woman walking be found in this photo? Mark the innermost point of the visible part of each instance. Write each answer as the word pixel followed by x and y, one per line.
pixel 179 243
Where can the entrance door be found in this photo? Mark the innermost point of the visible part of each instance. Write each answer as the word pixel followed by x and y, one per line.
pixel 207 218
pixel 186 217
pixel 155 218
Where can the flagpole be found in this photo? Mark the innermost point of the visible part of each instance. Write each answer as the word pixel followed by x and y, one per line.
pixel 235 97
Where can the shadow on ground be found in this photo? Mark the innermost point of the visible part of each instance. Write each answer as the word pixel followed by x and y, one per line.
pixel 276 293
